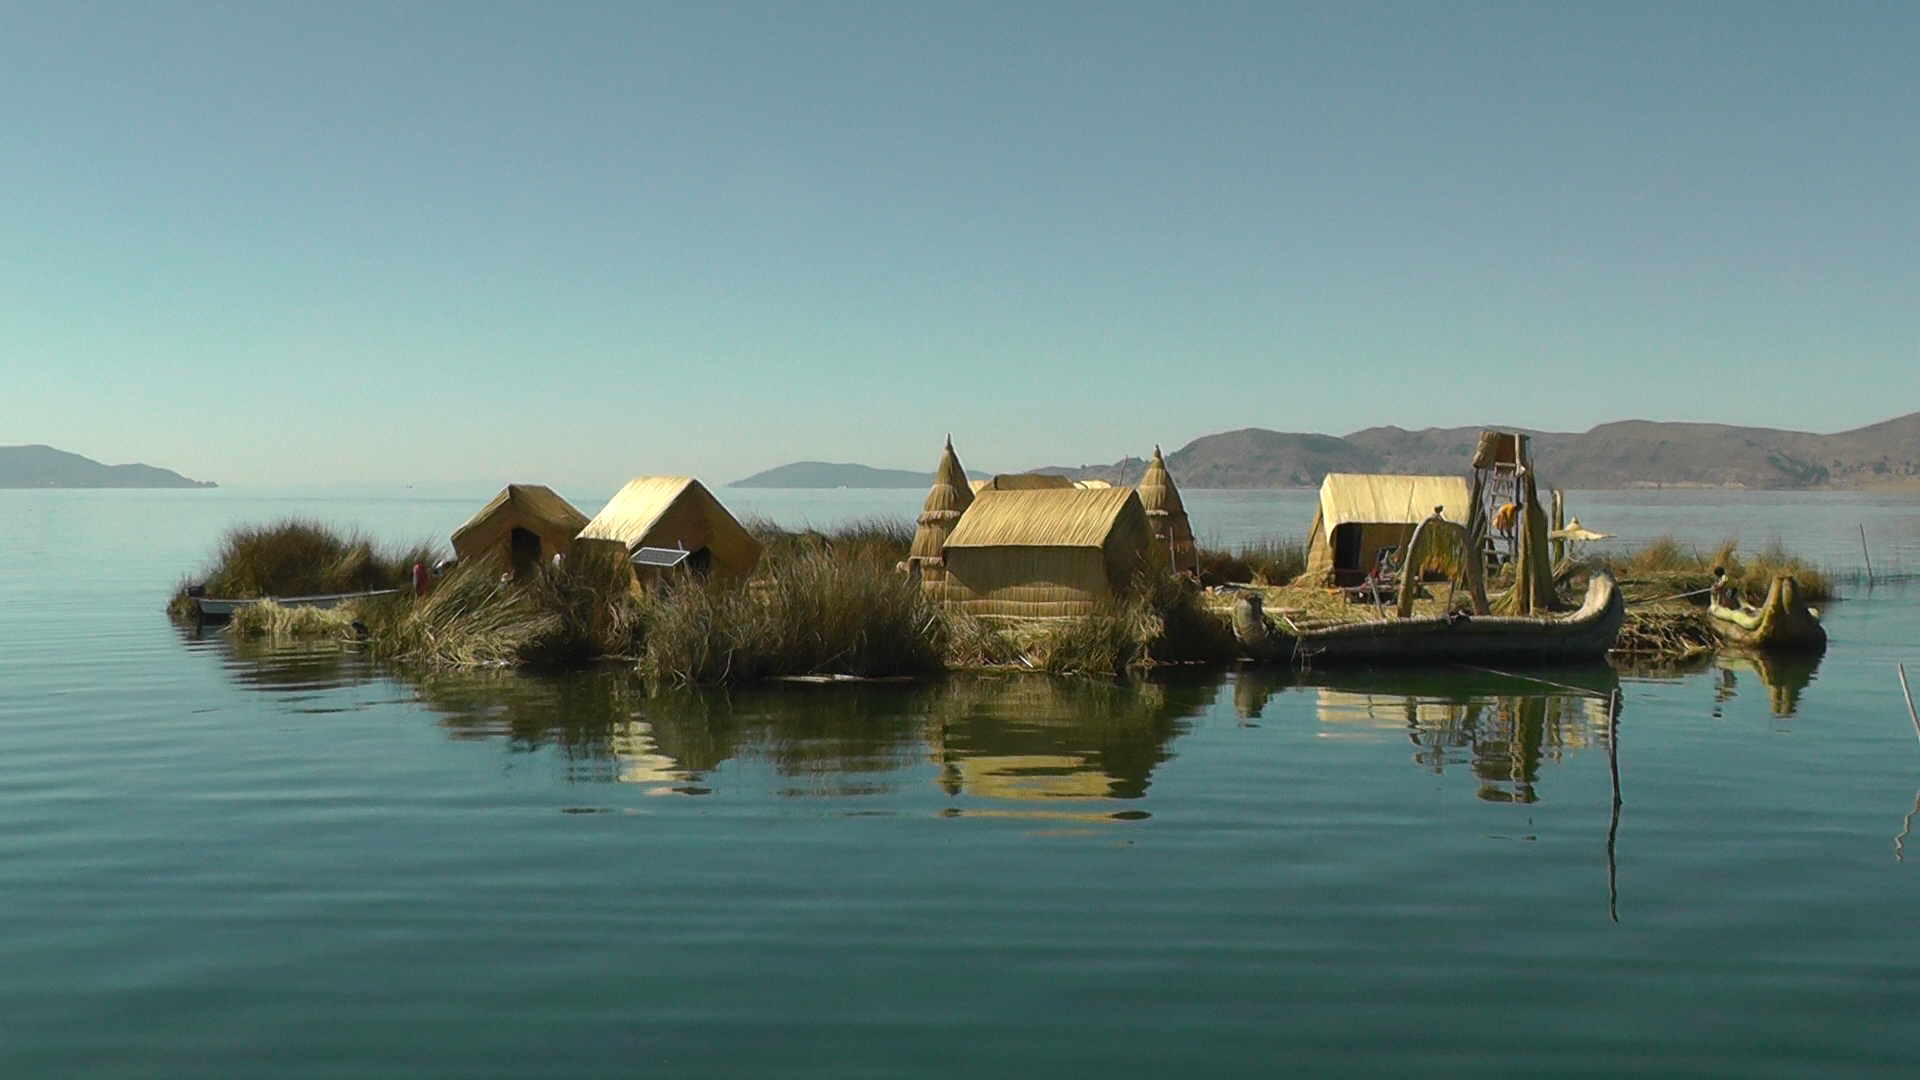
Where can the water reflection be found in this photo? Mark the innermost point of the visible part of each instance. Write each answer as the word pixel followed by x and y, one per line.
pixel 1026 739
pixel 1066 747
pixel 1784 677
pixel 280 666
pixel 1030 739
pixel 1501 727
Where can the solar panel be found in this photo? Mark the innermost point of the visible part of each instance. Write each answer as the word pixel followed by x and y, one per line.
pixel 662 558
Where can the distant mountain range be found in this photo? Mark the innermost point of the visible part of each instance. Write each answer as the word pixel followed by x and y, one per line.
pixel 1631 453
pixel 825 474
pixel 40 466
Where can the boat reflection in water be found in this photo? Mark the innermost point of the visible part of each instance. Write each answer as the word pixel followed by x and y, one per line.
pixel 1785 675
pixel 1502 727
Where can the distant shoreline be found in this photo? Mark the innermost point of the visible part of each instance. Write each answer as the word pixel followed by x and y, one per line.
pixel 41 467
pixel 1627 455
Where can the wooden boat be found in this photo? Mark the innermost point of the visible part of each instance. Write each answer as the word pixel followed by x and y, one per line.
pixel 1784 622
pixel 1582 635
pixel 216 609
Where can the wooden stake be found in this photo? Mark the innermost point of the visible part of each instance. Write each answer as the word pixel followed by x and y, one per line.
pixel 1864 555
pixel 1613 826
pixel 1909 692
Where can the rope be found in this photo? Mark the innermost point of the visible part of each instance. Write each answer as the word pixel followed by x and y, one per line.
pixel 1581 690
pixel 1676 596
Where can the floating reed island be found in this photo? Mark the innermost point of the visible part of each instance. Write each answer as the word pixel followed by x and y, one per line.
pixel 1028 571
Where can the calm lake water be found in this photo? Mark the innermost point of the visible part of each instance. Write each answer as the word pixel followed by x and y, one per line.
pixel 221 861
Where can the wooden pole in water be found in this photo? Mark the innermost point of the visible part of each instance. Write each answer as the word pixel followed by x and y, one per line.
pixel 1613 826
pixel 1559 524
pixel 1905 689
pixel 1864 555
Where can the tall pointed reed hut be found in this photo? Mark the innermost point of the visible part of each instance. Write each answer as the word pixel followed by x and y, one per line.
pixel 1361 514
pixel 948 499
pixel 1173 544
pixel 524 526
pixel 675 512
pixel 1043 553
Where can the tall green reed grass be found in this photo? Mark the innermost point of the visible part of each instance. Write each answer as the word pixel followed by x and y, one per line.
pixel 298 557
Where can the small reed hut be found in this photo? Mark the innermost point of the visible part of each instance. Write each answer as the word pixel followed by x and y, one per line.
pixel 1173 544
pixel 1025 481
pixel 949 498
pixel 675 512
pixel 1360 514
pixel 524 526
pixel 1046 553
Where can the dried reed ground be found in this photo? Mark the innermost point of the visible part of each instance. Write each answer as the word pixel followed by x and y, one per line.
pixel 819 603
pixel 832 603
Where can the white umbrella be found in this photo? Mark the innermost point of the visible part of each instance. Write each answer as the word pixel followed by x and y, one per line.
pixel 1576 531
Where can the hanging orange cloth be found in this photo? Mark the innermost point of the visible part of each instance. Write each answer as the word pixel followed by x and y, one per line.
pixel 1503 517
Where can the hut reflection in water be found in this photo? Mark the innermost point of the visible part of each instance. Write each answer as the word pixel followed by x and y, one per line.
pixel 991 741
pixel 1023 739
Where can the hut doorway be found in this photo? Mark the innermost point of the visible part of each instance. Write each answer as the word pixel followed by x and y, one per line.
pixel 523 546
pixel 701 562
pixel 1346 552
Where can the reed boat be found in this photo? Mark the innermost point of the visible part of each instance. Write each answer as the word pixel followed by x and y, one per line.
pixel 1573 637
pixel 220 609
pixel 1783 622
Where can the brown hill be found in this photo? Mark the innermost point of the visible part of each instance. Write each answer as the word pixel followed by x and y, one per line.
pixel 1631 453
pixel 1248 458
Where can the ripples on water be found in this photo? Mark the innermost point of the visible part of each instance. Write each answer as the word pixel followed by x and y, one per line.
pixel 229 859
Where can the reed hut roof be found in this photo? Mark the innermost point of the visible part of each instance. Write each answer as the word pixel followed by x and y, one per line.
pixel 1026 481
pixel 1172 532
pixel 1047 553
pixel 534 507
pixel 674 511
pixel 1057 517
pixel 1157 493
pixel 946 501
pixel 1374 499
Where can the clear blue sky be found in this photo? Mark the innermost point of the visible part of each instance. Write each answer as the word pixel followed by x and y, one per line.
pixel 570 243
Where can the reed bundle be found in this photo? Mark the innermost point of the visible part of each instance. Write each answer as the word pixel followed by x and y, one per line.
pixel 1669 632
pixel 297 557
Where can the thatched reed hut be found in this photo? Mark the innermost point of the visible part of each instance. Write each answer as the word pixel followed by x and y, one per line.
pixel 524 526
pixel 948 499
pixel 1026 481
pixel 1173 544
pixel 1047 552
pixel 675 512
pixel 1361 514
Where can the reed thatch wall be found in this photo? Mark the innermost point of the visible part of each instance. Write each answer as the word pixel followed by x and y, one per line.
pixel 1046 552
pixel 675 511
pixel 552 520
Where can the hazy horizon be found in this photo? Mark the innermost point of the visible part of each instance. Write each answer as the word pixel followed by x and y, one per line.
pixel 347 244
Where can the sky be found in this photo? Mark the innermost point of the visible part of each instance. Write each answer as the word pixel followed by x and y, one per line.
pixel 334 243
